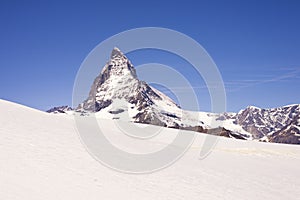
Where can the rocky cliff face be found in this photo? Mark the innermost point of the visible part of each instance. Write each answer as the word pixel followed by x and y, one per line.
pixel 280 125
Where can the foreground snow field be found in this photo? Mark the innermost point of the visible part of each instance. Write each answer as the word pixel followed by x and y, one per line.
pixel 42 158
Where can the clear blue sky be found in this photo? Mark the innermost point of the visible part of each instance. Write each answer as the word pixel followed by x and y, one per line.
pixel 255 44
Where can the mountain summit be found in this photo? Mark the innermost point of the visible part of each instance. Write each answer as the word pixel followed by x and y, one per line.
pixel 117 89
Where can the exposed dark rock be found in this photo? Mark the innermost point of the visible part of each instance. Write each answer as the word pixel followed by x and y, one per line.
pixel 149 118
pixel 170 115
pixel 199 129
pixel 59 109
pixel 288 134
pixel 117 111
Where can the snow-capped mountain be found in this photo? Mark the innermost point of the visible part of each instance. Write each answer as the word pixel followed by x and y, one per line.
pixel 281 125
pixel 117 93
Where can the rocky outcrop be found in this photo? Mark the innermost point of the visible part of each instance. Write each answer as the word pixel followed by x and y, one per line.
pixel 280 125
pixel 59 109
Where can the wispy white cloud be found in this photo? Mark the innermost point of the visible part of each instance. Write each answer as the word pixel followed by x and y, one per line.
pixel 288 75
pixel 181 89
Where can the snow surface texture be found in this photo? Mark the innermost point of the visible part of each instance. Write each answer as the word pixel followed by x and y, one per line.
pixel 43 158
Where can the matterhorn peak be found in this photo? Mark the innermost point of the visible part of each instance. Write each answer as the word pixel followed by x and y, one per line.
pixel 116 53
pixel 118 65
pixel 117 83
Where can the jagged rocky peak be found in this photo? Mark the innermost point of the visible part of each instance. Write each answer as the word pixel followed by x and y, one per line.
pixel 59 109
pixel 118 82
pixel 116 53
pixel 253 108
pixel 118 65
pixel 273 123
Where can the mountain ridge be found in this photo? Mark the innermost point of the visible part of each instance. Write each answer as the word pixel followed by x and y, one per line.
pixel 117 93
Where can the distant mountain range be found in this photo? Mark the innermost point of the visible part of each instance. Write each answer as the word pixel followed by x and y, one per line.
pixel 280 125
pixel 118 94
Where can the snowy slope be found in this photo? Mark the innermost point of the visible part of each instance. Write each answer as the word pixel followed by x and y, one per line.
pixel 42 158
